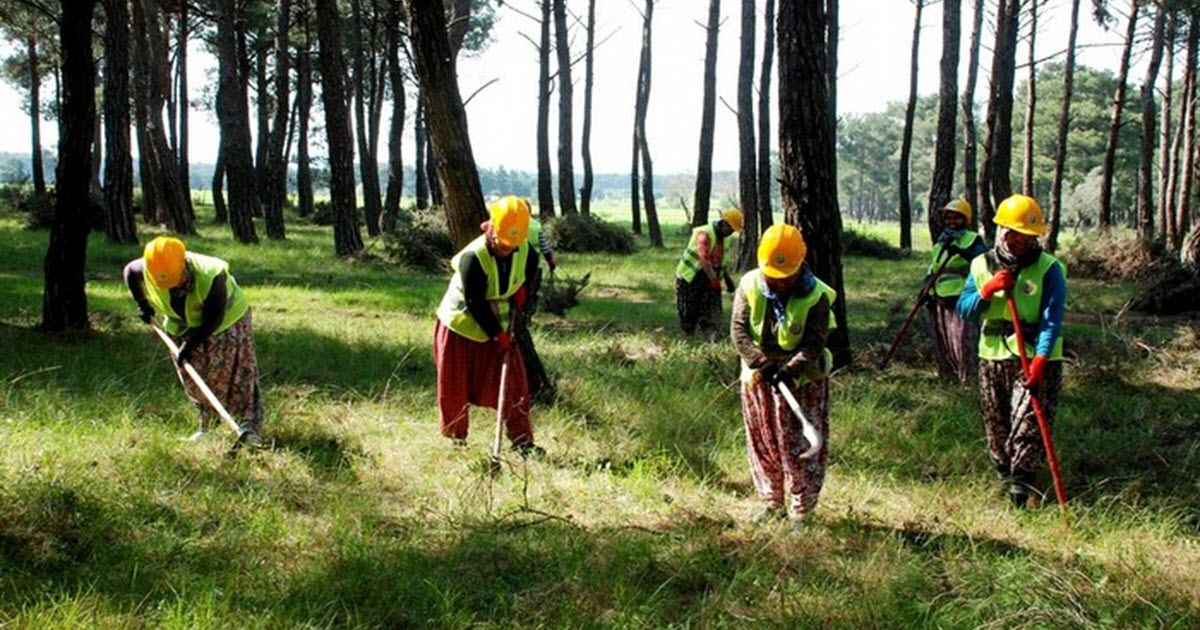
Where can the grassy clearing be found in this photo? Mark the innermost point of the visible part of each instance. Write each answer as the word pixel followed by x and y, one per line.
pixel 363 516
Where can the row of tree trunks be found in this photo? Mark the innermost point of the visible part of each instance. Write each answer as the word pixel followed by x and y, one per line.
pixel 544 175
pixel 970 186
pixel 1145 203
pixel 708 115
pixel 566 169
pixel 1064 121
pixel 1110 148
pixel 906 141
pixel 395 185
pixel 64 300
pixel 119 225
pixel 747 162
pixel 942 183
pixel 763 171
pixel 995 183
pixel 585 141
pixel 233 116
pixel 364 103
pixel 276 182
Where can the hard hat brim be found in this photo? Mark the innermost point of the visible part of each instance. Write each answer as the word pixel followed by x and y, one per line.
pixel 774 272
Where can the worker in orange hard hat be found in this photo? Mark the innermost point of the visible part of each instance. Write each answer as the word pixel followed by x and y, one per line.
pixel 1016 268
pixel 956 246
pixel 473 339
pixel 782 315
pixel 699 273
pixel 197 301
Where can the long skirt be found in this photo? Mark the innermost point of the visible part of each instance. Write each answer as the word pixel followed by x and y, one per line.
pixel 1014 439
pixel 955 342
pixel 468 373
pixel 774 443
pixel 699 306
pixel 227 363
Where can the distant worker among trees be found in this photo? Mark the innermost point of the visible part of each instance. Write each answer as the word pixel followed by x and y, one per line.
pixel 1017 269
pixel 953 340
pixel 699 273
pixel 199 303
pixel 782 315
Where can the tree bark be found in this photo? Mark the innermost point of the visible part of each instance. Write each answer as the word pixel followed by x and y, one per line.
pixel 1030 103
pixel 942 183
pixel 703 195
pixel 566 152
pixel 447 118
pixel 346 236
pixel 304 185
pixel 35 119
pixel 1184 211
pixel 220 210
pixel 763 170
pixel 995 182
pixel 1145 186
pixel 747 161
pixel 395 185
pixel 276 183
pixel 970 186
pixel 64 300
pixel 364 79
pixel 1110 148
pixel 118 172
pixel 585 141
pixel 831 66
pixel 544 175
pixel 906 143
pixel 1168 157
pixel 640 129
pixel 262 146
pixel 233 115
pixel 185 171
pixel 97 154
pixel 806 151
pixel 1064 121
pixel 635 192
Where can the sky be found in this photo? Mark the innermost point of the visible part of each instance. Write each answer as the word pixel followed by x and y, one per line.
pixel 876 37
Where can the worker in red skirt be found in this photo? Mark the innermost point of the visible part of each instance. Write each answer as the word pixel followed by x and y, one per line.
pixel 473 334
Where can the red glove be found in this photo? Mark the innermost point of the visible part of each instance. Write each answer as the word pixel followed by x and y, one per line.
pixel 1002 281
pixel 518 298
pixel 715 282
pixel 504 342
pixel 1037 372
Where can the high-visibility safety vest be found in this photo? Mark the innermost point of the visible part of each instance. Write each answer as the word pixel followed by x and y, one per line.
pixel 791 330
pixel 954 276
pixel 204 270
pixel 453 311
pixel 689 264
pixel 997 339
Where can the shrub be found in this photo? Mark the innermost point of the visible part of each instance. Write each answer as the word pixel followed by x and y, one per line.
pixel 420 240
pixel 560 295
pixel 586 233
pixel 323 213
pixel 1116 257
pixel 856 243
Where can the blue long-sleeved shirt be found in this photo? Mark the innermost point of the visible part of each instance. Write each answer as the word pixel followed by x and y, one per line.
pixel 971 306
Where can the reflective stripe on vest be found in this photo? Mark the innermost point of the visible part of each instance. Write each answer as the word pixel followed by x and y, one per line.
pixel 689 264
pixel 204 269
pixel 791 330
pixel 997 341
pixel 453 311
pixel 954 278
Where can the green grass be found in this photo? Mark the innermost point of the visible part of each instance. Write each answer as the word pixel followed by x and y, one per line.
pixel 362 515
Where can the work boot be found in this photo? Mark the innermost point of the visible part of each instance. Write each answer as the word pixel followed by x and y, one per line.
pixel 458 442
pixel 529 449
pixel 250 436
pixel 1019 487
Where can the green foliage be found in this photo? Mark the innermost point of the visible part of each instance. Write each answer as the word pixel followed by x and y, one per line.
pixel 855 243
pixel 588 233
pixel 420 240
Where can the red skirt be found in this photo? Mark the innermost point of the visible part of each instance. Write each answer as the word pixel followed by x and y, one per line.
pixel 468 373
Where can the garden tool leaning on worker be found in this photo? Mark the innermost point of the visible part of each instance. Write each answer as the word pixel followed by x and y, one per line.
pixel 1017 272
pixel 199 304
pixel 782 314
pixel 699 274
pixel 953 340
pixel 472 337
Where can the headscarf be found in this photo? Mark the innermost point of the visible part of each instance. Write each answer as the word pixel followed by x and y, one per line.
pixel 1007 259
pixel 777 300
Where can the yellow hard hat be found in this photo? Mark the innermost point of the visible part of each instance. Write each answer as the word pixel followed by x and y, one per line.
pixel 733 217
pixel 165 261
pixel 781 251
pixel 961 206
pixel 510 220
pixel 1021 214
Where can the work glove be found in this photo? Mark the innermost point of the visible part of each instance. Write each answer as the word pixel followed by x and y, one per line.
pixel 715 282
pixel 782 374
pixel 520 297
pixel 1004 280
pixel 1037 373
pixel 146 312
pixel 504 342
pixel 768 371
pixel 186 350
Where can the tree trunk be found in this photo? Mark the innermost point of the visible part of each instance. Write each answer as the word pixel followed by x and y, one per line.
pixel 970 186
pixel 831 66
pixel 635 192
pixel 220 211
pixel 1064 121
pixel 459 25
pixel 368 164
pixel 35 120
pixel 544 174
pixel 262 146
pixel 1110 148
pixel 185 171
pixel 118 170
pixel 995 182
pixel 233 115
pixel 941 185
pixel 431 174
pixel 346 236
pixel 275 190
pixel 566 168
pixel 806 151
pixel 447 120
pixel 421 185
pixel 97 155
pixel 1145 186
pixel 1184 211
pixel 304 186
pixel 764 120
pixel 1030 102
pixel 585 141
pixel 708 115
pixel 906 143
pixel 640 129
pixel 1168 159
pixel 747 162
pixel 395 185
pixel 64 300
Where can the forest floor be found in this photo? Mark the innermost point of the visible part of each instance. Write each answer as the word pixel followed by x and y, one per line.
pixel 362 515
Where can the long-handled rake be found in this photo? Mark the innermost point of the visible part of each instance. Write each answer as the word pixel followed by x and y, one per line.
pixel 913 313
pixel 1047 440
pixel 208 394
pixel 502 399
pixel 807 428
